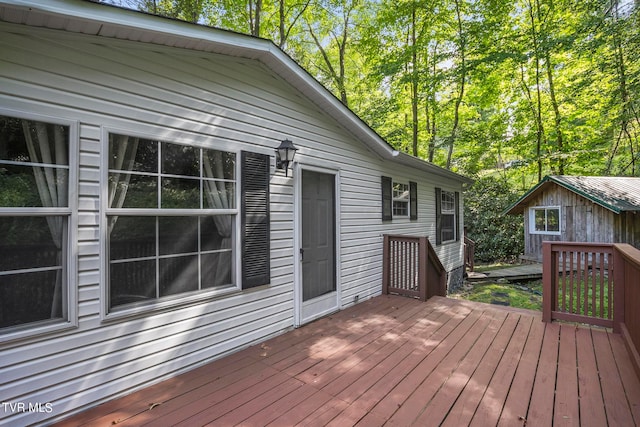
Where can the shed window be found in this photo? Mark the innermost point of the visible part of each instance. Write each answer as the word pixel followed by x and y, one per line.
pixel 171 220
pixel 544 220
pixel 34 223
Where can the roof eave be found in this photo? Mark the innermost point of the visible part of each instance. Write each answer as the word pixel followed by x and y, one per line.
pixel 519 206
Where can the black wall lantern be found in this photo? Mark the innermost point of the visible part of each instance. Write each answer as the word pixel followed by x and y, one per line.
pixel 284 155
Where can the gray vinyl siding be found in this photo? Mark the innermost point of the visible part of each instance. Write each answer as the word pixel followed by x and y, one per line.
pixel 190 97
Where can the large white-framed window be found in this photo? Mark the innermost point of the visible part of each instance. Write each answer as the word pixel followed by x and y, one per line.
pixel 544 220
pixel 171 221
pixel 37 174
pixel 401 199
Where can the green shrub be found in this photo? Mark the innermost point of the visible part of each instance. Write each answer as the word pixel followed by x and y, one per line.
pixel 498 237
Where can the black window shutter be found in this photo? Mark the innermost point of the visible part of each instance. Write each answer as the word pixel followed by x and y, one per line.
pixel 438 216
pixel 256 267
pixel 387 198
pixel 458 216
pixel 413 199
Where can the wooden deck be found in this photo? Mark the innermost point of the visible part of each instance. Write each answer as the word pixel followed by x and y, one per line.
pixel 397 361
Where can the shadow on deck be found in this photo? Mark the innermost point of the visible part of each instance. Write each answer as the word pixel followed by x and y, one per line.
pixel 396 361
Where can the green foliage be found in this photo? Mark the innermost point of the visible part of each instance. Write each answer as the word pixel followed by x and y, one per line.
pixel 18 190
pixel 498 236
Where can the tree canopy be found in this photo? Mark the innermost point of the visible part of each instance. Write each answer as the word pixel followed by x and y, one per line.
pixel 519 88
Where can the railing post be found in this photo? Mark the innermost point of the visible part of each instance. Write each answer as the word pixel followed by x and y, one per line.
pixel 385 265
pixel 423 259
pixel 618 290
pixel 549 293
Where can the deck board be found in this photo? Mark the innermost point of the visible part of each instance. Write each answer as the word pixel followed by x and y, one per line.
pixel 398 361
pixel 615 401
pixel 566 410
pixel 591 404
pixel 517 403
pixel 542 397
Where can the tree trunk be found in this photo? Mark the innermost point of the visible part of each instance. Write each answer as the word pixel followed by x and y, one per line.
pixel 255 10
pixel 557 116
pixel 431 106
pixel 463 76
pixel 414 84
pixel 538 113
pixel 281 31
pixel 337 77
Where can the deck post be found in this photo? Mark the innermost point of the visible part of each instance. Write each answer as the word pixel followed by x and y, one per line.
pixel 618 290
pixel 423 259
pixel 386 264
pixel 549 293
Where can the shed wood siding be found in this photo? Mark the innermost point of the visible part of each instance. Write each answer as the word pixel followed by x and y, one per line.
pixel 212 101
pixel 581 220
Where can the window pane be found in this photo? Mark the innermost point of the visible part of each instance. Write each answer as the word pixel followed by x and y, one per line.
pixel 19 188
pixel 131 237
pixel 448 227
pixel 219 164
pixel 178 275
pixel 179 193
pixel 553 220
pixel 400 208
pixel 36 142
pixel 131 282
pixel 128 153
pixel 180 160
pixel 448 201
pixel 400 191
pixel 28 242
pixel 216 232
pixel 219 195
pixel 540 220
pixel 216 269
pixel 33 141
pixel 132 191
pixel 178 235
pixel 30 297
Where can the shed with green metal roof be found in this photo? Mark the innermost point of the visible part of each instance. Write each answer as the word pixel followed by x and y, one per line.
pixel 579 209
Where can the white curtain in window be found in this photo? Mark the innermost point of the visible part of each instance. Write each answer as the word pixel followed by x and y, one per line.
pixel 48 145
pixel 122 155
pixel 219 198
